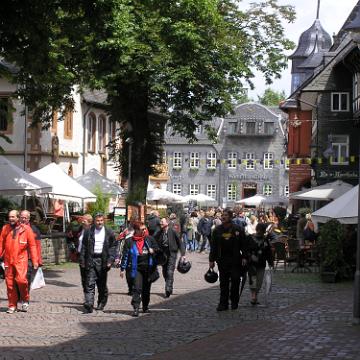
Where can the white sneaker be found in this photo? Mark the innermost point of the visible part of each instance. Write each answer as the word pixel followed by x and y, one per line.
pixel 11 310
pixel 25 306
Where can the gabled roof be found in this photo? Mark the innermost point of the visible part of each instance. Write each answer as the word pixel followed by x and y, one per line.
pixel 95 97
pixel 252 110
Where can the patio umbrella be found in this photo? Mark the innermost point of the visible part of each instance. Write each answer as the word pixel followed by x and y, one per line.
pixel 344 209
pixel 163 196
pixel 275 200
pixel 326 192
pixel 201 198
pixel 255 200
pixel 15 181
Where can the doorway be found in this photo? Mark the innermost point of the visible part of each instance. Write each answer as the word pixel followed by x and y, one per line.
pixel 248 190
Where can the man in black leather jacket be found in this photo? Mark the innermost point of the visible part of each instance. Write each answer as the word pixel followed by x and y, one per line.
pixel 229 250
pixel 98 253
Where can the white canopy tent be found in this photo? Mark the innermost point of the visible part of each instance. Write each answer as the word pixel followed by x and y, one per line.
pixel 15 181
pixel 93 178
pixel 326 192
pixel 344 209
pixel 200 198
pixel 64 187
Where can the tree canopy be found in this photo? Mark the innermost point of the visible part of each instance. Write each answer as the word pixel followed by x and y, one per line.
pixel 187 60
pixel 272 97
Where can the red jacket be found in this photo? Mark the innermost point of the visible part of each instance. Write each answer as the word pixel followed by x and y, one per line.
pixel 15 250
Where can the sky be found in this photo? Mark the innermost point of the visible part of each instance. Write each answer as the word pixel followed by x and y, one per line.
pixel 333 14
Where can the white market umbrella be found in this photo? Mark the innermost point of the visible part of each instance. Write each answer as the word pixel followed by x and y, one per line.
pixel 15 181
pixel 93 178
pixel 344 209
pixel 201 198
pixel 275 200
pixel 64 187
pixel 163 196
pixel 255 200
pixel 326 192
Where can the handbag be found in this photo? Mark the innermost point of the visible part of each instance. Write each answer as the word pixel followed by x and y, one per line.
pixel 39 280
pixel 153 276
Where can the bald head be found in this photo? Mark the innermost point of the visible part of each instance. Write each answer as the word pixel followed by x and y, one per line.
pixel 13 217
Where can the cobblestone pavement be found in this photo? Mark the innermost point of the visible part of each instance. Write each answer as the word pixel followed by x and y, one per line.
pixel 304 320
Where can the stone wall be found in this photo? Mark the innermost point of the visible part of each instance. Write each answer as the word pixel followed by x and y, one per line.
pixel 54 249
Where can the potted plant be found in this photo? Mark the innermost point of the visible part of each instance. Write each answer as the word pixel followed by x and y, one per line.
pixel 332 263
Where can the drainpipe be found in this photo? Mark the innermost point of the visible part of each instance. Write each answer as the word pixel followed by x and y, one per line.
pixel 25 138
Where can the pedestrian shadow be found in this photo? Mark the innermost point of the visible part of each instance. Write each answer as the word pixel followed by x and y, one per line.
pixel 60 283
pixel 50 274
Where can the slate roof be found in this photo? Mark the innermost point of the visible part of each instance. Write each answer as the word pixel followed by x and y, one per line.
pixel 98 97
pixel 313 38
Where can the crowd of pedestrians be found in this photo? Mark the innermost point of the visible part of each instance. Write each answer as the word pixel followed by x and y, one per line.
pixel 238 242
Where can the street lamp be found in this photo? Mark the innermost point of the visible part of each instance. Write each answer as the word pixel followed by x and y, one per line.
pixel 354 27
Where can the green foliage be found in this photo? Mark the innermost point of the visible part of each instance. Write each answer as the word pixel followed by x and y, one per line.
pixel 188 59
pixel 6 205
pixel 272 97
pixel 101 204
pixel 331 248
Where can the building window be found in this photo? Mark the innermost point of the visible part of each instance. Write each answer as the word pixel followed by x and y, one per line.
pixel 194 189
pixel 68 125
pixel 250 127
pixel 340 148
pixel 102 134
pixel 112 130
pixel 356 92
pixel 267 189
pixel 250 161
pixel 233 127
pixel 91 133
pixel 268 161
pixel 231 192
pixel 286 190
pixel 177 189
pixel 177 160
pixel 194 160
pixel 340 101
pixel 232 160
pixel 198 130
pixel 4 114
pixel 211 191
pixel 211 160
pixel 269 128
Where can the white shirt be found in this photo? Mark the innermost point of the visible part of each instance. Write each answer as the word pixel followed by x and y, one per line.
pixel 80 240
pixel 99 240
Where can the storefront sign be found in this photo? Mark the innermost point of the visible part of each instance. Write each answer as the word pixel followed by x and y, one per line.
pixel 343 175
pixel 247 177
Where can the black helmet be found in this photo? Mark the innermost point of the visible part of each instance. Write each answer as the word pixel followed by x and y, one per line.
pixel 183 266
pixel 160 258
pixel 211 276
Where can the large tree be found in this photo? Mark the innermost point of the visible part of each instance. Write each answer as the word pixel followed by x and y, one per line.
pixel 272 97
pixel 187 60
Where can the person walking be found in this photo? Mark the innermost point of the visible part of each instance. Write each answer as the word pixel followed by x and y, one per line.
pixel 170 243
pixel 153 224
pixel 16 241
pixel 98 252
pixel 138 257
pixel 229 250
pixel 259 253
pixel 25 219
pixel 204 228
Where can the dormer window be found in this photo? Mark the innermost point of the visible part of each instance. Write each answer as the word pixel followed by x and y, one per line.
pixel 339 101
pixel 233 128
pixel 250 127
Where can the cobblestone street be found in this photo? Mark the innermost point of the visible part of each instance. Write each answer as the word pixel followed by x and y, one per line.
pixel 305 320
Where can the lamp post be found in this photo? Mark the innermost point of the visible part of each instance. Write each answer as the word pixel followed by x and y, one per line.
pixel 354 27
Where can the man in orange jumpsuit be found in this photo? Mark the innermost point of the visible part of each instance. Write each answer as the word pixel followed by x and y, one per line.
pixel 15 241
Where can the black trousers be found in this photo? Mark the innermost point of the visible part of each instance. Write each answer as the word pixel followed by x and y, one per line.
pixel 83 278
pixel 229 283
pixel 168 271
pixel 141 290
pixel 96 275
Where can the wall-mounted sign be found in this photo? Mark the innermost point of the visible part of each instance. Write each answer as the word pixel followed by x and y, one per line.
pixel 247 177
pixel 323 174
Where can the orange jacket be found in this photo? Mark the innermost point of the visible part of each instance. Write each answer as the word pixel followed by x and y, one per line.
pixel 15 250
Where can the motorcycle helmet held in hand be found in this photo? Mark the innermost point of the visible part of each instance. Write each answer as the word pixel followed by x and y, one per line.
pixel 183 266
pixel 211 276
